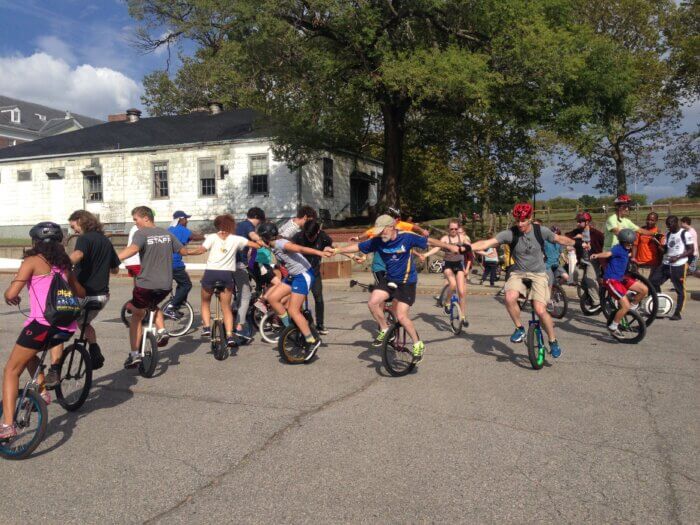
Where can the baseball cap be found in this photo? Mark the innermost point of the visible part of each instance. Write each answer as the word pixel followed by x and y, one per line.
pixel 179 214
pixel 383 221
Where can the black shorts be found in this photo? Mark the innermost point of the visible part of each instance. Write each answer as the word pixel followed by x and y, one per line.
pixel 379 277
pixel 147 298
pixel 455 266
pixel 37 336
pixel 262 273
pixel 211 276
pixel 403 293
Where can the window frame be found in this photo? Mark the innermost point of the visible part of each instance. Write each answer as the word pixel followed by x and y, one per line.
pixel 155 193
pixel 87 187
pixel 28 179
pixel 200 179
pixel 328 177
pixel 252 176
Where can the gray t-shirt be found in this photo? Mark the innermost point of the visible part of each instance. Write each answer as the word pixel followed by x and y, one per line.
pixel 156 248
pixel 289 229
pixel 295 263
pixel 527 254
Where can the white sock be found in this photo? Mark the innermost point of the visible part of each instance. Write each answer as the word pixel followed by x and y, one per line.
pixel 613 325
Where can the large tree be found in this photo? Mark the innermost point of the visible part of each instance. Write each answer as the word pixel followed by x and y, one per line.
pixel 340 73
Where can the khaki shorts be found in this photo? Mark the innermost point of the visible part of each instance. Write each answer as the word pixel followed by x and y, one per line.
pixel 540 285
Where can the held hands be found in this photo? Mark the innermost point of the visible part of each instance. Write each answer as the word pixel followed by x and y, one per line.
pixel 356 238
pixel 464 249
pixel 328 251
pixel 594 256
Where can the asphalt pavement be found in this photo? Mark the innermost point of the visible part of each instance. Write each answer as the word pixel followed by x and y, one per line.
pixel 606 433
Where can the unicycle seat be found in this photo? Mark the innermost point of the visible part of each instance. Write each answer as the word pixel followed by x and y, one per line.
pixel 92 305
pixel 219 286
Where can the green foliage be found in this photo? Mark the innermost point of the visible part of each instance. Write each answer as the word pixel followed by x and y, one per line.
pixel 693 191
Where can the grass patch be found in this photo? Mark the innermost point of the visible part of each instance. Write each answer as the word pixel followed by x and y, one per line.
pixel 14 242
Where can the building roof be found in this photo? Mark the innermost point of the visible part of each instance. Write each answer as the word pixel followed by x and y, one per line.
pixel 175 130
pixel 31 121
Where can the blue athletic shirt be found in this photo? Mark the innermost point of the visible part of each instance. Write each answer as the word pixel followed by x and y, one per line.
pixel 617 263
pixel 396 255
pixel 183 235
pixel 243 229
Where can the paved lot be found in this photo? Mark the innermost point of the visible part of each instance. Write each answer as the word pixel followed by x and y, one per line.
pixel 607 433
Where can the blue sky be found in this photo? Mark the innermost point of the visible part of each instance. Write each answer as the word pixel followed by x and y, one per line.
pixel 76 55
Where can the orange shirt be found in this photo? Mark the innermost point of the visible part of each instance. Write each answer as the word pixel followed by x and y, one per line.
pixel 400 225
pixel 647 249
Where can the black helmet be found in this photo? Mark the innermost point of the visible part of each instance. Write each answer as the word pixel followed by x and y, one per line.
pixel 626 236
pixel 267 230
pixel 46 232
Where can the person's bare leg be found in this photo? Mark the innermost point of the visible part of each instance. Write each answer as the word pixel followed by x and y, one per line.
pixel 17 362
pixel 226 297
pixel 512 307
pixel 137 315
pixel 402 317
pixel 376 307
pixel 296 301
pixel 545 319
pixel 205 307
pixel 462 292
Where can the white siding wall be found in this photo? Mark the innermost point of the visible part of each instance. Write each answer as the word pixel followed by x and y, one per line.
pixel 127 181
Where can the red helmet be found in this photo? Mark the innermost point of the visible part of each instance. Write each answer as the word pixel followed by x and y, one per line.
pixel 522 211
pixel 623 199
pixel 583 216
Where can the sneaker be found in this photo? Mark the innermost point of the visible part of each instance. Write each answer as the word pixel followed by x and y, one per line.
pixel 163 337
pixel 518 335
pixel 465 323
pixel 231 341
pixel 260 305
pixel 52 379
pixel 615 332
pixel 675 317
pixel 7 432
pixel 311 352
pixel 46 396
pixel 132 361
pixel 206 331
pixel 244 336
pixel 321 330
pixel 96 357
pixel 418 351
pixel 554 349
pixel 379 339
pixel 446 309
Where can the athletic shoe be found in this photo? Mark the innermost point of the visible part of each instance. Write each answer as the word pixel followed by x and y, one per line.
pixel 379 339
pixel 555 349
pixel 52 379
pixel 446 309
pixel 321 330
pixel 206 331
pixel 244 336
pixel 132 361
pixel 418 351
pixel 163 337
pixel 615 332
pixel 518 335
pixel 231 341
pixel 7 432
pixel 171 312
pixel 465 323
pixel 260 305
pixel 96 356
pixel 46 396
pixel 675 317
pixel 312 350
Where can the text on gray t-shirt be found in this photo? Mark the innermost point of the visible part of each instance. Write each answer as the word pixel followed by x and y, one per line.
pixel 156 248
pixel 527 254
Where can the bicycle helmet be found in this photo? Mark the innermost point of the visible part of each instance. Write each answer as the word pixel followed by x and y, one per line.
pixel 522 211
pixel 583 216
pixel 394 212
pixel 267 231
pixel 46 232
pixel 556 230
pixel 626 236
pixel 623 200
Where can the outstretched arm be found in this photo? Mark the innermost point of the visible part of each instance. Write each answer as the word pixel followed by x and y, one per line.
pixel 563 240
pixel 350 248
pixel 127 252
pixel 449 247
pixel 298 248
pixel 485 244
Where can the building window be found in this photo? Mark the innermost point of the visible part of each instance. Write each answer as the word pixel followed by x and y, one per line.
pixel 24 175
pixel 328 178
pixel 93 188
pixel 207 178
pixel 259 175
pixel 160 180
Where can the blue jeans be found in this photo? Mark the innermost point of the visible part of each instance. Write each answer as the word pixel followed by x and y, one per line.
pixel 184 285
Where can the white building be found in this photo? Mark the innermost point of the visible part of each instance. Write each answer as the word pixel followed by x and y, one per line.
pixel 205 163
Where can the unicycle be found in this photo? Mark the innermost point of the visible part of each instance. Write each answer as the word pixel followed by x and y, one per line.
pixel 75 370
pixel 293 346
pixel 397 351
pixel 536 351
pixel 455 315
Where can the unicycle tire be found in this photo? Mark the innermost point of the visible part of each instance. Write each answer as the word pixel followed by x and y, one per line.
pixel 32 419
pixel 558 302
pixel 218 341
pixel 176 327
pixel 149 362
pixel 292 345
pixel 534 352
pixel 650 309
pixel 633 328
pixel 76 377
pixel 397 355
pixel 271 327
pixel 456 318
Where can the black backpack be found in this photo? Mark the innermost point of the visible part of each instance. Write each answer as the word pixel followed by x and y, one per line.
pixel 62 306
pixel 516 237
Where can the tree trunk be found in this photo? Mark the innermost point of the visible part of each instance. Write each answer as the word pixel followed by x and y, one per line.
pixel 620 175
pixel 394 115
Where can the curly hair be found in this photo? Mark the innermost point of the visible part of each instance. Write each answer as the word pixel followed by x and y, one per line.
pixel 54 253
pixel 87 221
pixel 225 223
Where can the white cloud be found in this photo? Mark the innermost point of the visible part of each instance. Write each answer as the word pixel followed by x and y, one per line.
pixel 52 81
pixel 54 46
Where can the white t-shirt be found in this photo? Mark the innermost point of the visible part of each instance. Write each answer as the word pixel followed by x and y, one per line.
pixel 675 246
pixel 134 260
pixel 692 237
pixel 222 252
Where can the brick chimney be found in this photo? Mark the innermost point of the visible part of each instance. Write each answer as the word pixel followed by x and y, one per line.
pixel 133 115
pixel 119 117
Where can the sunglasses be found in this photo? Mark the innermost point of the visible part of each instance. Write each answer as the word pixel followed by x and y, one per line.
pixel 454 229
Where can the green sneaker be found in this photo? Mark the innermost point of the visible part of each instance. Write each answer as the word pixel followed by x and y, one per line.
pixel 418 349
pixel 379 339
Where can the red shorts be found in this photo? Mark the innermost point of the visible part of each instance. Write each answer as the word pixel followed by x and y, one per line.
pixel 133 269
pixel 619 288
pixel 145 298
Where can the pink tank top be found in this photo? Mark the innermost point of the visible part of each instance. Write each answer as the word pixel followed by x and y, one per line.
pixel 38 291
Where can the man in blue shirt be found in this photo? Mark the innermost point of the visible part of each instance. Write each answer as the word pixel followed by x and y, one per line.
pixel 245 229
pixel 179 229
pixel 394 248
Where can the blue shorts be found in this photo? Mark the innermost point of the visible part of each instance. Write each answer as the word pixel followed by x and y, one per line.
pixel 301 283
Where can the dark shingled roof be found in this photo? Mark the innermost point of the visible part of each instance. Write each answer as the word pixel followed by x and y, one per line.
pixel 30 120
pixel 147 132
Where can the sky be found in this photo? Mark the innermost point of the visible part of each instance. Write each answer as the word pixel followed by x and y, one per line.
pixel 77 55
